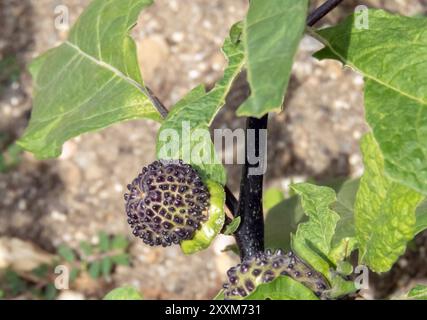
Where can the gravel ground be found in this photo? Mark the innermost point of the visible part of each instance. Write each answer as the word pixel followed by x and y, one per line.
pixel 74 197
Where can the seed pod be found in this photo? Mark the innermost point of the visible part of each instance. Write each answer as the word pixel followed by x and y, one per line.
pixel 167 203
pixel 266 267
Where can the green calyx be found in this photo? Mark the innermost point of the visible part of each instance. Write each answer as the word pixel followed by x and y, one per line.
pixel 210 228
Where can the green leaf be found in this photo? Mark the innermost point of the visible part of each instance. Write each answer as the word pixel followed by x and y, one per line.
pixel 282 288
pixel 10 70
pixel 11 157
pixel 119 242
pixel 390 54
pixel 344 206
pixel 419 292
pixel 106 266
pixel 50 292
pixel 315 202
pixel 90 81
pixel 342 250
pixel 104 242
pixel 121 259
pixel 95 269
pixel 421 217
pixel 344 240
pixel 236 32
pixel 345 268
pixel 384 212
pixel 86 248
pixel 74 274
pixel 41 271
pixel 340 287
pixel 3 165
pixel 124 293
pixel 313 238
pixel 271 198
pixel 15 284
pixel 282 220
pixel 272 31
pixel 66 253
pixel 233 226
pixel 210 229
pixel 185 132
pixel 219 296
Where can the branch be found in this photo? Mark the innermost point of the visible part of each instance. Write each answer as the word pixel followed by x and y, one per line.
pixel 231 201
pixel 250 235
pixel 322 11
pixel 157 103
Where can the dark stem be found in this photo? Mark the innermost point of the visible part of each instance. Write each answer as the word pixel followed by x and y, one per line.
pixel 157 103
pixel 250 235
pixel 322 11
pixel 231 201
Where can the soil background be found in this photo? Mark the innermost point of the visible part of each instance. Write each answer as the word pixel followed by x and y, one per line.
pixel 70 199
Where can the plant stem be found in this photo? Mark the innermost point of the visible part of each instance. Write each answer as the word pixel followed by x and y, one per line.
pixel 231 201
pixel 250 235
pixel 322 11
pixel 157 103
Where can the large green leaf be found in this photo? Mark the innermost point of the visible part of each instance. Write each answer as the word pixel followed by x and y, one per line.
pixel 282 220
pixel 272 31
pixel 391 54
pixel 313 238
pixel 384 212
pixel 185 132
pixel 271 198
pixel 90 81
pixel 282 288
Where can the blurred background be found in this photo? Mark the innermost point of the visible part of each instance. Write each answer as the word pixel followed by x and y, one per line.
pixel 70 211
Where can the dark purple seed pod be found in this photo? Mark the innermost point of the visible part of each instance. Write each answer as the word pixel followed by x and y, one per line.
pixel 266 267
pixel 256 272
pixel 152 195
pixel 249 285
